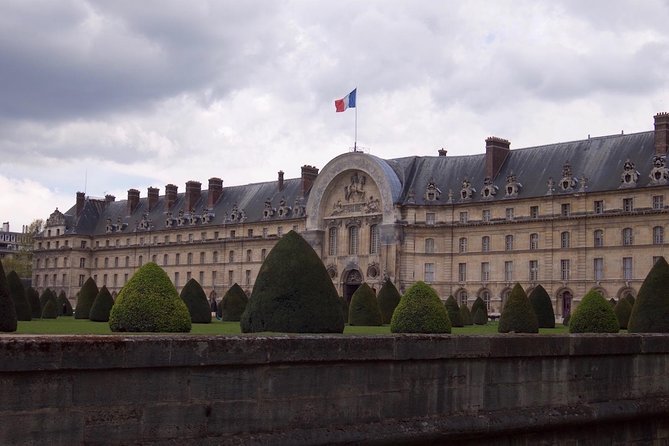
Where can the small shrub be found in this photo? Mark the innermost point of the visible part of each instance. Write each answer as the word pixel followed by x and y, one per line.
pixel 420 311
pixel 479 303
pixel 623 310
pixel 102 305
pixel 466 315
pixel 364 309
pixel 480 317
pixel 594 315
pixel 33 299
pixel 8 321
pixel 233 304
pixel 388 299
pixel 565 320
pixel 518 315
pixel 196 300
pixel 18 293
pixel 454 312
pixel 89 291
pixel 64 304
pixel 543 307
pixel 50 310
pixel 149 303
pixel 650 312
pixel 293 292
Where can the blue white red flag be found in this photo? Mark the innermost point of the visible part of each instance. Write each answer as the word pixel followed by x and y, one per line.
pixel 347 102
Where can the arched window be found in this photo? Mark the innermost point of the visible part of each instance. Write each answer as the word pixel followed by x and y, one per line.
pixel 374 239
pixel 463 244
pixel 564 239
pixel 353 240
pixel 598 238
pixel 462 297
pixel 485 243
pixel 485 295
pixel 508 242
pixel 332 241
pixel 534 241
pixel 628 238
pixel 429 245
pixel 658 235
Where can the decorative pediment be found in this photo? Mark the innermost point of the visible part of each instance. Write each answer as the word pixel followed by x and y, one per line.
pixel 659 174
pixel 568 182
pixel 629 176
pixel 432 192
pixel 489 190
pixel 353 222
pixel 467 191
pixel 56 219
pixel 513 186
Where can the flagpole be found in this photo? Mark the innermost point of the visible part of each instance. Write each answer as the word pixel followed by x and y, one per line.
pixel 355 140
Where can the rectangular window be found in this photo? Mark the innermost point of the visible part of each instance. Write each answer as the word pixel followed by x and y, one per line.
pixel 213 279
pixel 249 255
pixel 464 217
pixel 485 215
pixel 176 279
pixel 564 240
pixel 203 236
pixel 81 279
pixel 167 239
pixel 104 280
pixel 188 276
pixel 116 262
pixel 248 277
pixel 599 207
pixel 264 232
pixel 250 233
pixel 83 244
pixel 462 272
pixel 628 204
pixel 202 258
pixel 430 218
pixel 534 211
pixel 598 264
pixel 565 209
pixel 233 234
pixel 202 278
pixel 82 263
pixel 125 278
pixel 279 231
pixel 508 271
pixel 115 284
pixel 627 268
pixel 177 258
pixel 485 243
pixel 263 254
pixel 509 213
pixel 190 238
pixel 353 240
pixel 463 245
pixel 564 269
pixel 508 243
pixel 429 272
pixel 598 238
pixel 658 202
pixel 485 272
pixel 231 277
pixel 178 238
pixel 215 235
pixel 534 241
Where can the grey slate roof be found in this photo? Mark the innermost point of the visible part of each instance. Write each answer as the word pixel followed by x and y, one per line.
pixel 600 160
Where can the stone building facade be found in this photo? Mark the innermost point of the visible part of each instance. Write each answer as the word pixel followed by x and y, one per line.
pixel 570 216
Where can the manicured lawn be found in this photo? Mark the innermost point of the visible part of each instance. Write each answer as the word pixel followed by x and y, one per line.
pixel 69 325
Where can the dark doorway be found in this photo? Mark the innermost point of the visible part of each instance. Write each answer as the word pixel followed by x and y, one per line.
pixel 566 303
pixel 352 281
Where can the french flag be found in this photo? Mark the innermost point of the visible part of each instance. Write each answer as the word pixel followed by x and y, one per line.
pixel 347 102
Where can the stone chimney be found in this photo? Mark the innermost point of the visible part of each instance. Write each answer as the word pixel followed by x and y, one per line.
pixel 152 193
pixel 280 180
pixel 309 174
pixel 193 191
pixel 215 191
pixel 442 152
pixel 661 133
pixel 170 196
pixel 133 200
pixel 81 199
pixel 496 151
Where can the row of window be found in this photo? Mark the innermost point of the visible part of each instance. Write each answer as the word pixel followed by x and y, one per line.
pixel 565 210
pixel 353 240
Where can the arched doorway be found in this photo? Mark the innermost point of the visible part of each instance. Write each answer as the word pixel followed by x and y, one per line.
pixel 565 296
pixel 352 280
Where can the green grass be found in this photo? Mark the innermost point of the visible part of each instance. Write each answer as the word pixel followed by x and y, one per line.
pixel 69 325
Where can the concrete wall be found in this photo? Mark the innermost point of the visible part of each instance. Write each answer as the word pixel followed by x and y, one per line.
pixel 329 389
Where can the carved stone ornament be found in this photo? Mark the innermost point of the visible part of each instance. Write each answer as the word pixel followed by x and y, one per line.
pixel 283 210
pixel 353 222
pixel 373 270
pixel 237 214
pixel 467 191
pixel 550 185
pixel 299 209
pixel 373 205
pixel 208 215
pixel 489 190
pixel 355 191
pixel 568 182
pixel 629 176
pixel 659 174
pixel 432 192
pixel 145 223
pixel 269 211
pixel 332 271
pixel 513 186
pixel 169 220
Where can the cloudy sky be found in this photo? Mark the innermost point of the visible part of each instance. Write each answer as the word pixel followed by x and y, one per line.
pixel 105 96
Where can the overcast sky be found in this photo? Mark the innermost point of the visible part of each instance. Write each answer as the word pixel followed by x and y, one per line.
pixel 104 96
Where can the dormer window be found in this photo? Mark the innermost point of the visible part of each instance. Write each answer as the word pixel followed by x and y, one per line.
pixel 467 191
pixel 630 176
pixel 432 192
pixel 568 181
pixel 659 174
pixel 489 189
pixel 512 186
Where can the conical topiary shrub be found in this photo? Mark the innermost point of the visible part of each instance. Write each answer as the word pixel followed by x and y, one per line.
pixel 613 302
pixel 454 312
pixel 32 296
pixel 518 315
pixel 543 307
pixel 64 305
pixel 87 296
pixel 196 300
pixel 149 303
pixel 7 310
pixel 344 308
pixel 420 311
pixel 364 309
pixel 623 310
pixel 233 304
pixel 18 293
pixel 480 317
pixel 466 315
pixel 593 315
pixel 44 297
pixel 650 312
pixel 388 299
pixel 293 292
pixel 50 310
pixel 631 299
pixel 102 305
pixel 479 303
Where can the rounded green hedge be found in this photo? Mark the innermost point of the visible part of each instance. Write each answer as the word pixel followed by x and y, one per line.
pixel 466 315
pixel 388 299
pixel 102 305
pixel 33 299
pixel 420 311
pixel 364 309
pixel 518 315
pixel 293 292
pixel 650 311
pixel 623 310
pixel 50 310
pixel 233 304
pixel 8 321
pixel 89 291
pixel 64 304
pixel 594 315
pixel 196 300
pixel 149 303
pixel 453 312
pixel 543 307
pixel 18 293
